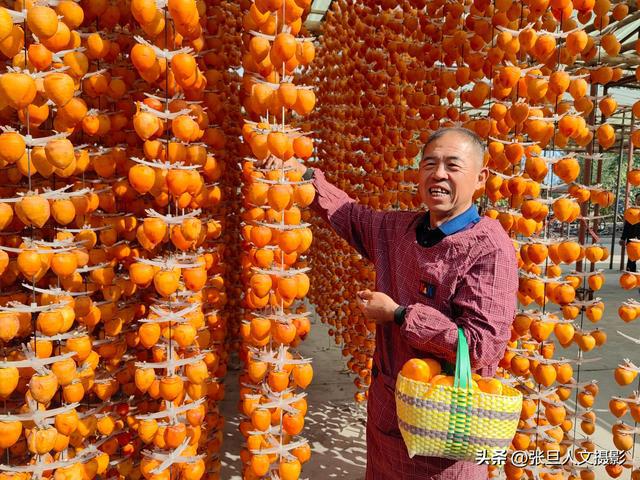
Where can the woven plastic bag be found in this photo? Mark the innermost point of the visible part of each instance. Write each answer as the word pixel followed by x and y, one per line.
pixel 456 422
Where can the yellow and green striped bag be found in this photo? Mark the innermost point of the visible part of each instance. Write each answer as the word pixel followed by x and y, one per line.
pixel 456 422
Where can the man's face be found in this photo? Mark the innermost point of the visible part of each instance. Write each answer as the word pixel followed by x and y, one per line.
pixel 450 172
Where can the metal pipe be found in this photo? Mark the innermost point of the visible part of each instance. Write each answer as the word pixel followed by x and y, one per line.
pixel 618 181
pixel 328 8
pixel 586 179
pixel 596 209
pixel 627 36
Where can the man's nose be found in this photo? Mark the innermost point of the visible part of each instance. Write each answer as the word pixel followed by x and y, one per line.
pixel 439 171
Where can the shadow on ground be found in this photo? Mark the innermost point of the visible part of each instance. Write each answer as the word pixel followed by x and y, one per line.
pixel 336 433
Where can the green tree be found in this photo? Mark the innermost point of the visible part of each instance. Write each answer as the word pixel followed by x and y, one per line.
pixel 611 162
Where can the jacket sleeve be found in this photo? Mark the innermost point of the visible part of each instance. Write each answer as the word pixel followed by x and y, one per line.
pixel 484 306
pixel 357 224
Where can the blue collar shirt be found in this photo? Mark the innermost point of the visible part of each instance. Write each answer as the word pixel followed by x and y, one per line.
pixel 428 237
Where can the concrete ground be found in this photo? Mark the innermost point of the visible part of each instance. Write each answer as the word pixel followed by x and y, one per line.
pixel 335 425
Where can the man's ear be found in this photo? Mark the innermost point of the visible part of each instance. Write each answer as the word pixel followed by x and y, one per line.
pixel 483 176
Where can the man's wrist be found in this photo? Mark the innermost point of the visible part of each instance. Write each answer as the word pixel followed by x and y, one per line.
pixel 399 314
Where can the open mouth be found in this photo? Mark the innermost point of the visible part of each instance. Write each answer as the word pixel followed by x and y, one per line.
pixel 438 192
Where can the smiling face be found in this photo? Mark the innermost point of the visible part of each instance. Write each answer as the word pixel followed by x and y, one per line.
pixel 450 172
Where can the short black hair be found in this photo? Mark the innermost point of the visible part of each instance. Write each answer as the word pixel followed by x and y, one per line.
pixel 472 136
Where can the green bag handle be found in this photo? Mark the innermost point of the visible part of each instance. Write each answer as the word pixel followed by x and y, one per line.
pixel 462 377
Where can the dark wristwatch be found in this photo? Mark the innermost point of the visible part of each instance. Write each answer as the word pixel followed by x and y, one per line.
pixel 308 174
pixel 398 315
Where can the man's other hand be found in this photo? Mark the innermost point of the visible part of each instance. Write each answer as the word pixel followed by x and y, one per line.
pixel 377 306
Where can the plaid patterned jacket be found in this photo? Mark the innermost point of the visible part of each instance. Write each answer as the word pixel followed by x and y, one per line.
pixel 468 279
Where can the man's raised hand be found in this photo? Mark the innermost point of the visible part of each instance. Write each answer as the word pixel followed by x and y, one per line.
pixel 274 162
pixel 377 306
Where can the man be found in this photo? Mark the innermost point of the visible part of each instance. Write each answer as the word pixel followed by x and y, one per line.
pixel 631 232
pixel 435 271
